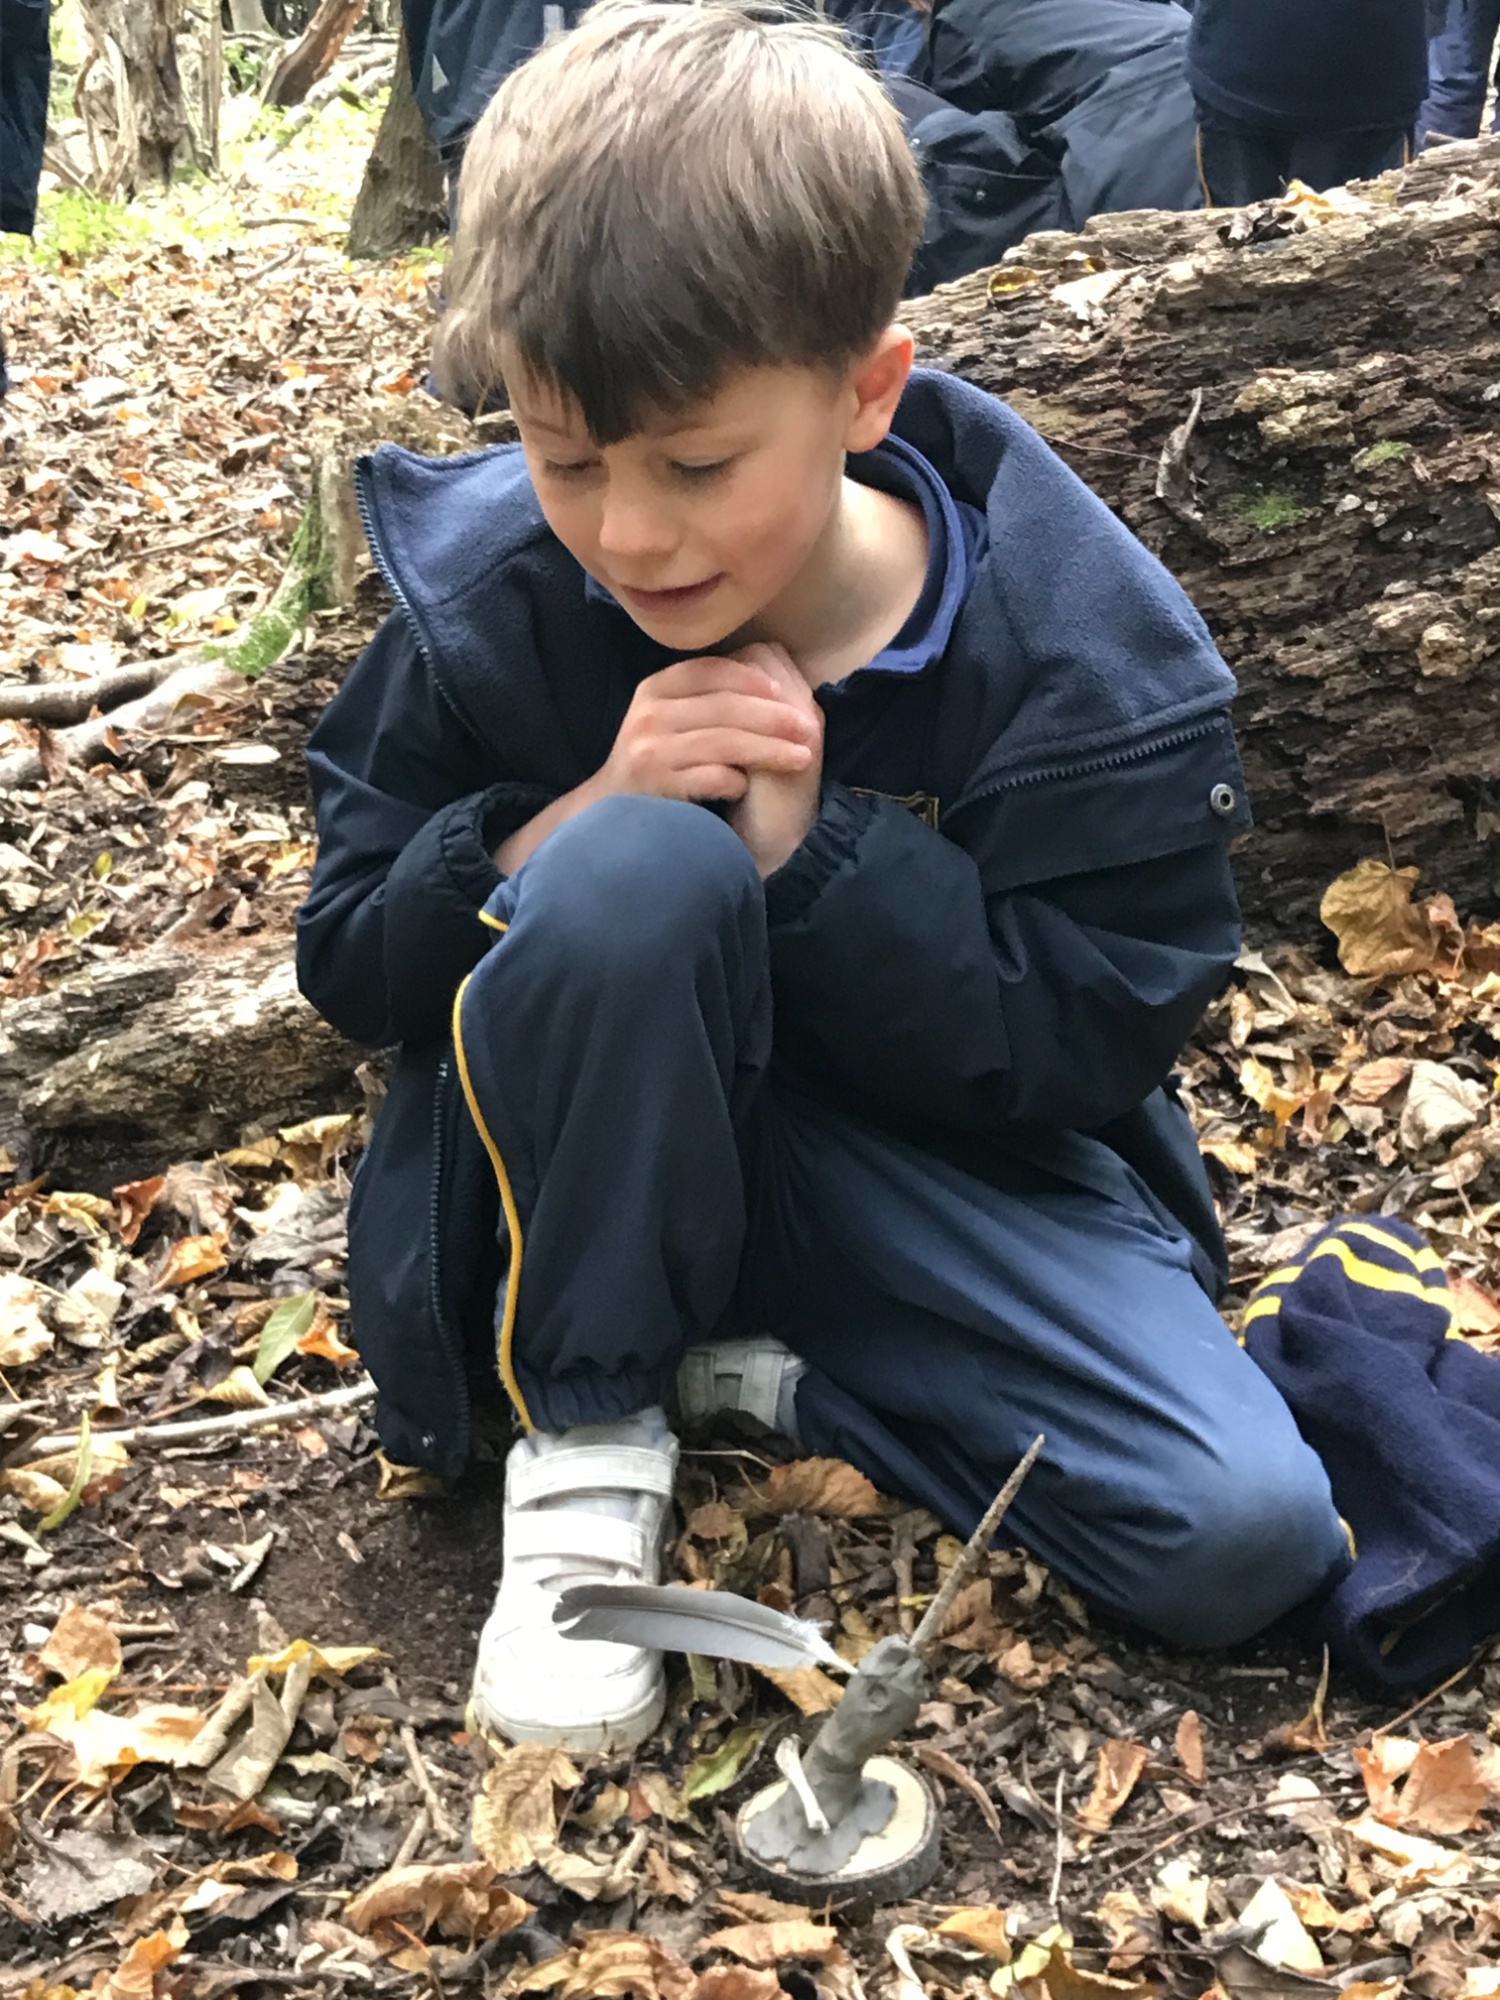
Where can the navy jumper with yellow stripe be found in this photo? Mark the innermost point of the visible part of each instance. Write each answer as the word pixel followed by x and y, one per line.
pixel 905 1103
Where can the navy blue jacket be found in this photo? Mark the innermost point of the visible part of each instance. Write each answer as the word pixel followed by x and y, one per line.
pixel 1029 965
pixel 461 51
pixel 25 72
pixel 1042 114
pixel 1310 65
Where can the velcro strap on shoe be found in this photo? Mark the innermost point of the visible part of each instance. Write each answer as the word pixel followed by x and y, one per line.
pixel 591 1468
pixel 584 1537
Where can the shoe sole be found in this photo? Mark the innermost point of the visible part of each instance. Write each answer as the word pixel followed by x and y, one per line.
pixel 619 1732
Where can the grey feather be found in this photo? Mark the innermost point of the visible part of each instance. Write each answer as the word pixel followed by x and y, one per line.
pixel 716 1623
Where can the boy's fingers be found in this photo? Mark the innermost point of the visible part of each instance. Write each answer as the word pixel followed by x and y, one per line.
pixel 743 751
pixel 714 781
pixel 754 714
pixel 712 673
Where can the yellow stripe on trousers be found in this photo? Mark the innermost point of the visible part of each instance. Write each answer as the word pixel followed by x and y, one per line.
pixel 506 1339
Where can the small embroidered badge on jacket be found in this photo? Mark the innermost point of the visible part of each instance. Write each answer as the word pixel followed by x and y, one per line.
pixel 1358 1336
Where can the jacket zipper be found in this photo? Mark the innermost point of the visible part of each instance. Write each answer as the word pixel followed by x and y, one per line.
pixel 1085 767
pixel 434 1225
pixel 392 581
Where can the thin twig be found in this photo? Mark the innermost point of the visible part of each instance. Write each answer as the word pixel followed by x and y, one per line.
pixel 442 1825
pixel 416 1833
pixel 205 1427
pixel 1057 1863
pixel 973 1553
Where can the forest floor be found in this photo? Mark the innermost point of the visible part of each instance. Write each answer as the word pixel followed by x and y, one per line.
pixel 232 1753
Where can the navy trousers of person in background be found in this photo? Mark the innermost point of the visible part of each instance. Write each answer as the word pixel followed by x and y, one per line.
pixel 1239 164
pixel 1460 62
pixel 617 1043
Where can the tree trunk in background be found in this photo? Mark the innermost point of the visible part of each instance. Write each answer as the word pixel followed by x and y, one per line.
pixel 1333 513
pixel 247 17
pixel 314 54
pixel 130 93
pixel 403 198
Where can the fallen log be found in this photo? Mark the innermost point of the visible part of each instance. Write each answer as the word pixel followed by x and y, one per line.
pixel 165 1055
pixel 1333 510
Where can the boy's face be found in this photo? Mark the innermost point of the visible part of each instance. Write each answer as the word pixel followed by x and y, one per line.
pixel 699 525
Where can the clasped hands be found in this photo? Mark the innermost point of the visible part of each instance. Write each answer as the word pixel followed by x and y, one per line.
pixel 745 730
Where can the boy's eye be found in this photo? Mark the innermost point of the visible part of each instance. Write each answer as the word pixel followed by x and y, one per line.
pixel 576 469
pixel 700 472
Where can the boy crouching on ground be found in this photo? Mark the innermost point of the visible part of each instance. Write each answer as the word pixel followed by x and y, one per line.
pixel 785 826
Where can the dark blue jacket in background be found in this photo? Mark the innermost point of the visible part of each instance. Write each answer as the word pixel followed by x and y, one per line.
pixel 1310 65
pixel 1027 966
pixel 25 73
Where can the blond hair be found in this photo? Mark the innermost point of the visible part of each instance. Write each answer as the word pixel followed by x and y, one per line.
pixel 675 189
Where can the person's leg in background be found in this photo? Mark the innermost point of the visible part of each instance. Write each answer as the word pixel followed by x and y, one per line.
pixel 1238 165
pixel 1336 158
pixel 944 1323
pixel 1458 66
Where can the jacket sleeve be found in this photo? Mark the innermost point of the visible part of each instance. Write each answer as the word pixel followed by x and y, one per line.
pixel 410 810
pixel 1063 1003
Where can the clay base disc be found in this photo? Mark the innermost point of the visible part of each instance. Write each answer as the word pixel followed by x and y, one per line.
pixel 886 1867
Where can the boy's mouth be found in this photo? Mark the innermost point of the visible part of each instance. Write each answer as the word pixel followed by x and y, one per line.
pixel 671 600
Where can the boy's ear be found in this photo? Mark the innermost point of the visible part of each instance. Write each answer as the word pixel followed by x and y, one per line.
pixel 877 380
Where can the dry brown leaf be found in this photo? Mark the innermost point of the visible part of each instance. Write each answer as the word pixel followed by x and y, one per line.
pixel 979 1925
pixel 1133 1930
pixel 1188 1744
pixel 943 1766
pixel 608 1965
pixel 81 1642
pixel 1260 1085
pixel 463 1898
pixel 192 1257
pixel 767 1944
pixel 137 1199
pixel 1380 934
pixel 1120 1765
pixel 515 1813
pixel 239 1389
pixel 662 1879
pixel 322 1339
pixel 134 1978
pixel 816 1486
pixel 405 1482
pixel 806 1688
pixel 1283 1940
pixel 1313 1907
pixel 1474 1309
pixel 225 1815
pixel 714 1521
pixel 23 1336
pixel 971 1625
pixel 1060 1979
pixel 1240 1158
pixel 105 1745
pixel 1181 1893
pixel 758 1909
pixel 1444 1792
pixel 1416 1863
pixel 1383 1763
pixel 737 1982
pixel 1027 1668
pixel 1373 1081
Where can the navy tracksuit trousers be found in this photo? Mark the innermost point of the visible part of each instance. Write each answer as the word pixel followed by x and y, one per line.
pixel 616 1043
pixel 1460 61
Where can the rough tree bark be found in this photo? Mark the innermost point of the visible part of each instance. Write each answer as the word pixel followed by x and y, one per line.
pixel 402 200
pixel 1334 512
pixel 314 53
pixel 130 93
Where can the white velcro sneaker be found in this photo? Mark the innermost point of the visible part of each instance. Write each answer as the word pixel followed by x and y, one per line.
pixel 585 1505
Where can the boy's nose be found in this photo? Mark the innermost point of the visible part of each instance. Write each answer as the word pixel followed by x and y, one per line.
pixel 634 531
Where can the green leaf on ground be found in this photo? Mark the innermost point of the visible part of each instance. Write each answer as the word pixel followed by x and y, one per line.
pixel 718 1770
pixel 281 1332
